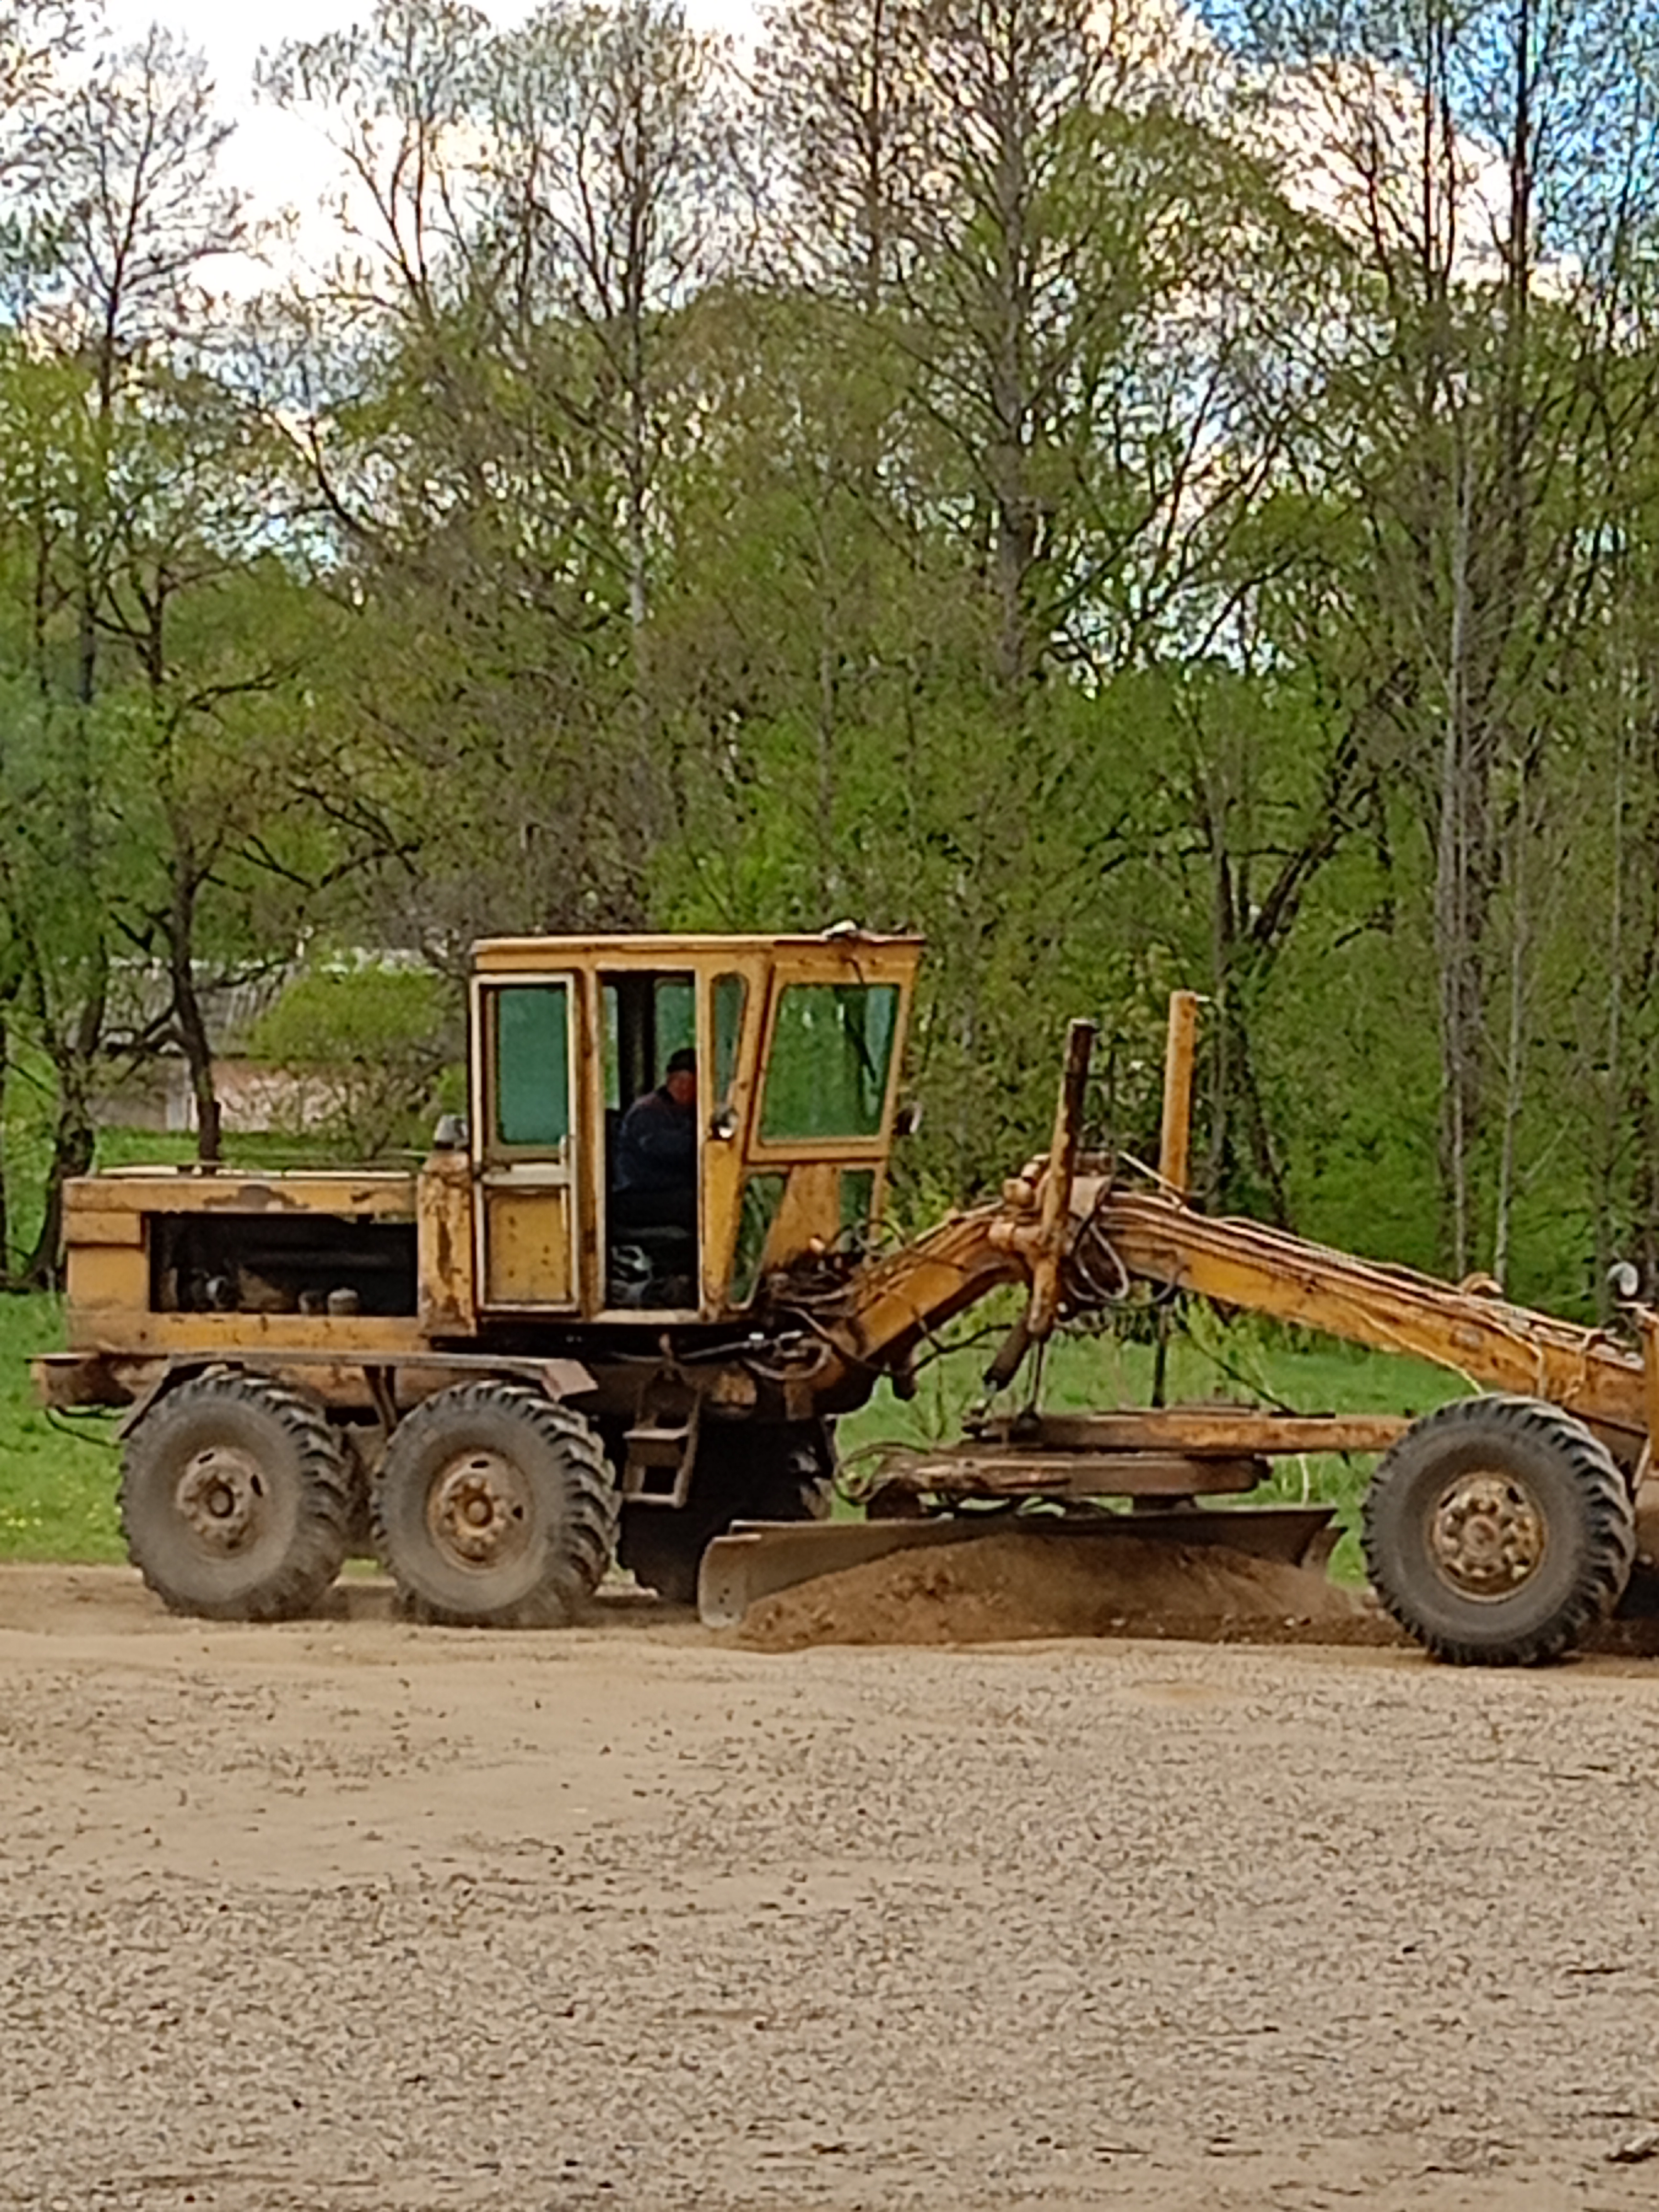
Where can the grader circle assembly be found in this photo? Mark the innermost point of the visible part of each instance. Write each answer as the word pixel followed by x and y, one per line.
pixel 608 1321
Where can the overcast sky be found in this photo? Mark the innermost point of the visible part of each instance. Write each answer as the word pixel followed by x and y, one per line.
pixel 232 34
pixel 282 161
pixel 273 156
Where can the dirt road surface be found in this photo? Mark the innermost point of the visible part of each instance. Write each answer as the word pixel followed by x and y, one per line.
pixel 352 1916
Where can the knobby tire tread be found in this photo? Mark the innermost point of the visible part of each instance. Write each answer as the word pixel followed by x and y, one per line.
pixel 323 1527
pixel 1605 1508
pixel 580 1561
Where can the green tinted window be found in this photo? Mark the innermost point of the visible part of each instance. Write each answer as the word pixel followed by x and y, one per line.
pixel 532 1067
pixel 857 1200
pixel 731 995
pixel 677 1017
pixel 763 1195
pixel 830 1056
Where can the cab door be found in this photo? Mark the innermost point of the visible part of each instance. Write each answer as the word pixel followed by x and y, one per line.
pixel 524 1034
pixel 821 1131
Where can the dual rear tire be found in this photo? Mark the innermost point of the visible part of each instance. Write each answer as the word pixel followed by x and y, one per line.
pixel 494 1505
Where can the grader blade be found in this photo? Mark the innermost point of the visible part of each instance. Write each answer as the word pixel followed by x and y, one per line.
pixel 757 1559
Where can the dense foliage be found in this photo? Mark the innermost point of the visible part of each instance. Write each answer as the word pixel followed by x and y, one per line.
pixel 1139 500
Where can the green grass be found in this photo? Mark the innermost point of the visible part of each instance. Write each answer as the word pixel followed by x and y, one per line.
pixel 58 1472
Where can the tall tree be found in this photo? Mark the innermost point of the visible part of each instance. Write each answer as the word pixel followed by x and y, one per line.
pixel 135 214
pixel 1486 161
pixel 535 209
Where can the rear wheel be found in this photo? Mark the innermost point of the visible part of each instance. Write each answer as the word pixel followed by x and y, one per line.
pixel 1497 1532
pixel 495 1508
pixel 235 1499
pixel 743 1474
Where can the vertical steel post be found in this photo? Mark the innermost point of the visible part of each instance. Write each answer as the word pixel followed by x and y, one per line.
pixel 1054 1223
pixel 1175 1144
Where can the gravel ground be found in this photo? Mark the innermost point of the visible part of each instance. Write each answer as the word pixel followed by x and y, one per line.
pixel 358 1917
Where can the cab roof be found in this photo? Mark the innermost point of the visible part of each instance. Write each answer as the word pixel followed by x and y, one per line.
pixel 662 951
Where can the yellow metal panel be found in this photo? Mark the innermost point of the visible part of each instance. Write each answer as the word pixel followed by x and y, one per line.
pixel 88 1226
pixel 587 1107
pixel 116 1379
pixel 105 1279
pixel 517 955
pixel 353 1336
pixel 527 1246
pixel 388 1197
pixel 722 1158
pixel 448 1299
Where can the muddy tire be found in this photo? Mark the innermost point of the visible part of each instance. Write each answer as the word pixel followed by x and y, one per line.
pixel 235 1499
pixel 1498 1532
pixel 494 1508
pixel 743 1474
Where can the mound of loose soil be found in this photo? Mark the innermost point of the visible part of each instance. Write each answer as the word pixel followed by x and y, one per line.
pixel 1008 1588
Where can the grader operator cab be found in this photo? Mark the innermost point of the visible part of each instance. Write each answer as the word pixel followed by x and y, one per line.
pixel 274 1332
pixel 795 1045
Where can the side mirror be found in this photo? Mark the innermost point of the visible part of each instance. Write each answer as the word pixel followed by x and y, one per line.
pixel 907 1122
pixel 723 1126
pixel 1624 1282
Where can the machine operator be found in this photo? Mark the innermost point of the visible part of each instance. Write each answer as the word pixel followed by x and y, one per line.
pixel 657 1153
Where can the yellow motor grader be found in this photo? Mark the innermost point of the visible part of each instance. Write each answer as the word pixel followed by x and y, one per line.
pixel 499 1373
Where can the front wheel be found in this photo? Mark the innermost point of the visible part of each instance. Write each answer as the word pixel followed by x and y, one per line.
pixel 1498 1532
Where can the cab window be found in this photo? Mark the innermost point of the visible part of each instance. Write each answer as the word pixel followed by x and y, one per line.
pixel 731 995
pixel 647 1017
pixel 531 1042
pixel 832 1051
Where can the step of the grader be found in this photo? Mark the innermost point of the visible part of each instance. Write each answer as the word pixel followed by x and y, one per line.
pixel 757 1559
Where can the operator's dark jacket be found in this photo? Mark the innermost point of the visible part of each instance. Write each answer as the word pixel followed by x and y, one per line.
pixel 657 1145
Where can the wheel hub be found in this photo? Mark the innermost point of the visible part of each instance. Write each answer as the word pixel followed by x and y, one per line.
pixel 219 1497
pixel 478 1509
pixel 1487 1535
